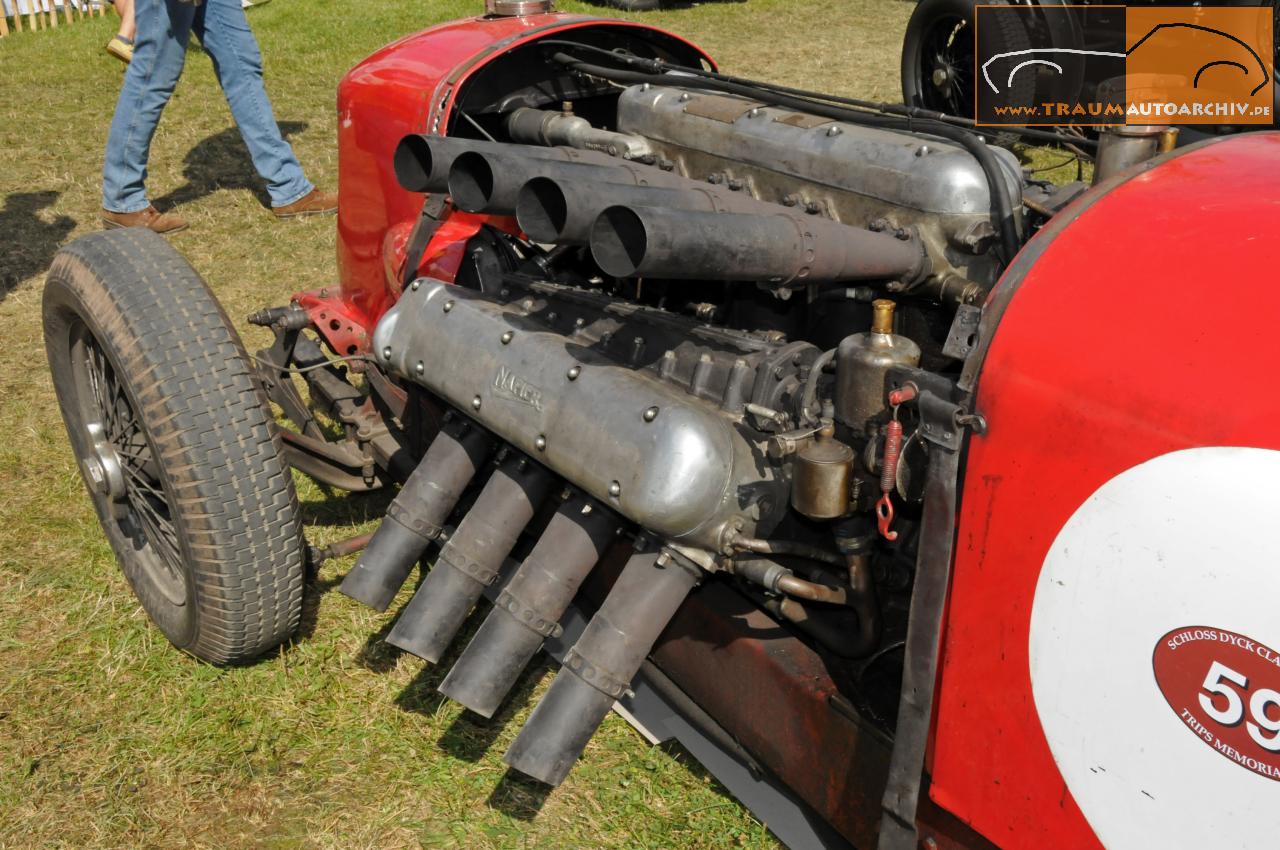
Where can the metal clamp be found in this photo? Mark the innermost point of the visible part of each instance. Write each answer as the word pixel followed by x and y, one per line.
pixel 602 680
pixel 527 615
pixel 414 523
pixel 474 570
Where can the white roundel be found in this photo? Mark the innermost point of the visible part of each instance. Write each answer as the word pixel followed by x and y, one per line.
pixel 1187 539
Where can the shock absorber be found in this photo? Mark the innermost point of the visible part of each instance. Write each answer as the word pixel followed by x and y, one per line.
pixel 529 608
pixel 470 561
pixel 417 515
pixel 599 668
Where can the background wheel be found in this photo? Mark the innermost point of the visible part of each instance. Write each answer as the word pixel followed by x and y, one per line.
pixel 938 59
pixel 176 445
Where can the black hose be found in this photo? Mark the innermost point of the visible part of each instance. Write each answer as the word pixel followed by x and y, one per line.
pixel 659 66
pixel 1002 202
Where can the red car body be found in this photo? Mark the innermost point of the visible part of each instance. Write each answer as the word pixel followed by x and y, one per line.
pixel 1125 355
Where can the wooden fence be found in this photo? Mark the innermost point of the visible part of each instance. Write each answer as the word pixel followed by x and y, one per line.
pixel 44 14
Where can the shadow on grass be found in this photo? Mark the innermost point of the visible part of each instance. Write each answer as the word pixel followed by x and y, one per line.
pixel 517 796
pixel 28 242
pixel 222 161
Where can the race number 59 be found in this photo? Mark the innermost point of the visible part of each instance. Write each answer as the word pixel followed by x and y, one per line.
pixel 1233 689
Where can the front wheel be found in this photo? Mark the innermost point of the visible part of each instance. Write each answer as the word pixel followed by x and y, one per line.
pixel 175 444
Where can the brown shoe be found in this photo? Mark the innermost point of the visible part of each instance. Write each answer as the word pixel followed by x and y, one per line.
pixel 313 203
pixel 150 218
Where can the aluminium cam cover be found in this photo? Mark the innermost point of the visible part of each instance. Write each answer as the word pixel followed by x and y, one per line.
pixel 685 471
pixel 920 173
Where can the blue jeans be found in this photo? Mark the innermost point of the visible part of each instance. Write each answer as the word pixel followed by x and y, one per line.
pixel 159 52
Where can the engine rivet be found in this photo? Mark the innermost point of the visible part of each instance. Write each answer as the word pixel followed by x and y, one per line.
pixel 651 413
pixel 448 305
pixel 541 443
pixel 507 337
pixel 475 403
pixel 834 131
pixel 415 285
pixel 753 112
pixel 420 368
pixel 572 374
pixel 386 353
pixel 615 489
pixel 685 97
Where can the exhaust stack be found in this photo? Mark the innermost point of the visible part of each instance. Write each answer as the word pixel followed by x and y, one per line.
pixel 601 665
pixel 636 241
pixel 489 180
pixel 417 515
pixel 529 608
pixel 470 561
pixel 422 161
pixel 555 210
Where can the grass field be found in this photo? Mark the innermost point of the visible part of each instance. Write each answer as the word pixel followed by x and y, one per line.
pixel 108 737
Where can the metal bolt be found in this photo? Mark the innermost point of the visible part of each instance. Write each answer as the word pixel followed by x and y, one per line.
pixel 663 559
pixel 834 131
pixel 651 413
pixel 813 207
pixel 586 510
pixel 448 305
pixel 504 292
pixel 579 322
pixel 507 337
pixel 685 97
pixel 922 150
pixel 541 443
pixel 715 178
pixel 420 368
pixel 386 353
pixel 735 185
pixel 753 112
pixel 615 489
pixel 96 474
pixel 475 403
pixel 573 373
pixel 415 285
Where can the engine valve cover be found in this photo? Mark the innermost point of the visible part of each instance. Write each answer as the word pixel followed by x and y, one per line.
pixel 663 458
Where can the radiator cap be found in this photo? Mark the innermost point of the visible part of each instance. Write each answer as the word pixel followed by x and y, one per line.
pixel 513 8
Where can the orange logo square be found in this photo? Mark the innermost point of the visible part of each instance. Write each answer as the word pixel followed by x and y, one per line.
pixel 1199 65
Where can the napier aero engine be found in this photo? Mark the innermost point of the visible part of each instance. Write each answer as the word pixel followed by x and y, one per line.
pixel 785 411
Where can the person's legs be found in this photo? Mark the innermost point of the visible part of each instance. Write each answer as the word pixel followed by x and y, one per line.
pixel 225 34
pixel 121 44
pixel 159 55
pixel 128 25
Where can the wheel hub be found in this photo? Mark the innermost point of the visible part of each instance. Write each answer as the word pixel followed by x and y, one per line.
pixel 941 77
pixel 102 468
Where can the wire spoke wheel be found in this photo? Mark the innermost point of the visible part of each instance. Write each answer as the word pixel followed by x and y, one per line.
pixel 175 444
pixel 122 467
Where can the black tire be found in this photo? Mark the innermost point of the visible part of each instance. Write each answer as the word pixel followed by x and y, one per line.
pixel 176 445
pixel 939 41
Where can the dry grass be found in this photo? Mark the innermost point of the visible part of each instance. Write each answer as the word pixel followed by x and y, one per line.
pixel 108 737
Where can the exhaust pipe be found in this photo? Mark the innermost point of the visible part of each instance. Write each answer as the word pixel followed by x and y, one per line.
pixel 422 162
pixel 417 515
pixel 599 668
pixel 637 241
pixel 529 608
pixel 470 561
pixel 554 210
pixel 489 181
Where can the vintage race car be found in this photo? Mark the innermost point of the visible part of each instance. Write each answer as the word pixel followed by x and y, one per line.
pixel 928 504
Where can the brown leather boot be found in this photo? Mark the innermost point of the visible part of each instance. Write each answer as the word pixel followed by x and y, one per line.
pixel 150 218
pixel 314 202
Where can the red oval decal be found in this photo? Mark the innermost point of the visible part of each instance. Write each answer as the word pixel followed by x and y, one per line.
pixel 1225 688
